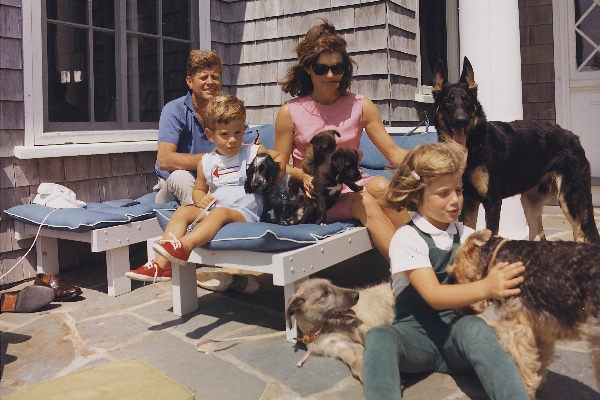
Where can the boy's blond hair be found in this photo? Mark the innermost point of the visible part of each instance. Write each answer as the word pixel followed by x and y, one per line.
pixel 222 109
pixel 201 59
pixel 422 164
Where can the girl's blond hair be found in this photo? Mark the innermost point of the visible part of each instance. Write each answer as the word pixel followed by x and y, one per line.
pixel 422 164
pixel 222 109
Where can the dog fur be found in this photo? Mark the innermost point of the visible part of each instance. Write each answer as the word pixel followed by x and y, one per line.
pixel 341 316
pixel 538 160
pixel 320 148
pixel 559 298
pixel 284 203
pixel 341 167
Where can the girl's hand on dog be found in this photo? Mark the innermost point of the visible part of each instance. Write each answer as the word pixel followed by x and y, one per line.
pixel 502 279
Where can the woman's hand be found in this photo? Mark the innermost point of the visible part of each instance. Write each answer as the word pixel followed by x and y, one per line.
pixel 502 279
pixel 308 185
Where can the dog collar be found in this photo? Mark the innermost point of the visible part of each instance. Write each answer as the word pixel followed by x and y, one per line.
pixel 311 337
pixel 495 253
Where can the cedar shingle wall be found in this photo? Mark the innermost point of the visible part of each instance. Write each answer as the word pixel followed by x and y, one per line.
pixel 537 59
pixel 256 40
pixel 93 178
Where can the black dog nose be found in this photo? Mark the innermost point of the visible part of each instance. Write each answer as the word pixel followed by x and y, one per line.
pixel 461 119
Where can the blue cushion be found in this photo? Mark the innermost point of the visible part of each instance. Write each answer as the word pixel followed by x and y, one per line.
pixel 266 135
pixel 263 236
pixel 93 216
pixel 372 157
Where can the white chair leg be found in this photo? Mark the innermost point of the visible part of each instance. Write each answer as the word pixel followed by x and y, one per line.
pixel 46 249
pixel 117 263
pixel 185 291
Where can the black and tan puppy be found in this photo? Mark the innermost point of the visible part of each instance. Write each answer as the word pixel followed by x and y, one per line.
pixel 559 299
pixel 538 160
pixel 341 167
pixel 320 148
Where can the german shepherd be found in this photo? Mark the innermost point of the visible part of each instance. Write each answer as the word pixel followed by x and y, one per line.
pixel 538 160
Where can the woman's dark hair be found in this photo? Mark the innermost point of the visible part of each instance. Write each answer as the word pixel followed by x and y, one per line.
pixel 321 38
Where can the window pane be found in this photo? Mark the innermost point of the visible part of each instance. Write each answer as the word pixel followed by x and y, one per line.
pixel 142 16
pixel 589 26
pixel 103 13
pixel 175 56
pixel 67 74
pixel 176 18
pixel 105 81
pixel 432 22
pixel 143 82
pixel 67 10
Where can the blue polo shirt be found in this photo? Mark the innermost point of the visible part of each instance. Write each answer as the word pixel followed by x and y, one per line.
pixel 179 125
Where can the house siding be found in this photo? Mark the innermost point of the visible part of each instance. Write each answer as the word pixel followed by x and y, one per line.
pixel 257 39
pixel 537 60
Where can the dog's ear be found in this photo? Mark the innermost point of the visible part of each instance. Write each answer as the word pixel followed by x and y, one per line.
pixel 248 181
pixel 439 78
pixel 338 160
pixel 468 76
pixel 293 304
pixel 481 237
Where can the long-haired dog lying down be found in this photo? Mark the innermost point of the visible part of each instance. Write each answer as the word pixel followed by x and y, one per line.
pixel 560 298
pixel 334 320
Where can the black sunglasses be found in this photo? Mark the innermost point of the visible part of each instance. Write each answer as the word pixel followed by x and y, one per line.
pixel 322 69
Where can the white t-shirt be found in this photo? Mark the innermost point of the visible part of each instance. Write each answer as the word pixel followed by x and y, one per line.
pixel 408 250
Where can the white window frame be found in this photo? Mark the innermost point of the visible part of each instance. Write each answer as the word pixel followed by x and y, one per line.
pixel 40 144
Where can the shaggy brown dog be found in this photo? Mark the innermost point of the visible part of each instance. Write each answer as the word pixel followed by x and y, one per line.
pixel 560 297
pixel 334 320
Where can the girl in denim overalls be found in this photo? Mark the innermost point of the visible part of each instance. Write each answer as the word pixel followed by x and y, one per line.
pixel 427 335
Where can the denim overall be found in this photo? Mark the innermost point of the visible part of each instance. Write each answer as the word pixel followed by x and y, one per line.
pixel 422 339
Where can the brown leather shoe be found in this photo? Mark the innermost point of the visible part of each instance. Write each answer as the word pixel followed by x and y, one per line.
pixel 63 290
pixel 30 299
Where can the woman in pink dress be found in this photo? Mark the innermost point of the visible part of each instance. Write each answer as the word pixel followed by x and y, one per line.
pixel 320 83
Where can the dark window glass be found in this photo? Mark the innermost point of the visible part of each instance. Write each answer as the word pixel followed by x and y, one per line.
pixel 142 16
pixel 67 74
pixel 587 35
pixel 105 80
pixel 103 14
pixel 67 10
pixel 176 18
pixel 432 22
pixel 143 63
pixel 175 56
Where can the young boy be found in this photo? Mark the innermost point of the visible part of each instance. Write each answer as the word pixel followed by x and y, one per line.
pixel 218 195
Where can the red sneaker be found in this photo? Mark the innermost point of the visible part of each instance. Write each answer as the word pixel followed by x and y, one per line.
pixel 172 250
pixel 149 272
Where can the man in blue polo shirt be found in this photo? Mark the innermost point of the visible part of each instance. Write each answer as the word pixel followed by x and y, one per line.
pixel 181 137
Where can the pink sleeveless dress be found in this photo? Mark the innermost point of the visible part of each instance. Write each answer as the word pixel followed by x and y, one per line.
pixel 345 116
